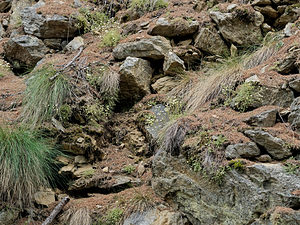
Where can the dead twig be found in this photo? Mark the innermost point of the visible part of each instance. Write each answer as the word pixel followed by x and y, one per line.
pixel 56 210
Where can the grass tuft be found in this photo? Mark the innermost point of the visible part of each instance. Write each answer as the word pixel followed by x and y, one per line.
pixel 111 38
pixel 44 97
pixel 26 165
pixel 148 5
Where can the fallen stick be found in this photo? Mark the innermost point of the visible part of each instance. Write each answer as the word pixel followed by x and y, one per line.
pixel 68 64
pixel 56 210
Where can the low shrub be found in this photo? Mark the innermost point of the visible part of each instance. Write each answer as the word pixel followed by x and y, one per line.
pixel 111 38
pixel 148 5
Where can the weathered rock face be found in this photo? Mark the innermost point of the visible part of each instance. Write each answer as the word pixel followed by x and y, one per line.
pixel 291 13
pixel 276 147
pixel 165 84
pixel 135 79
pixel 173 64
pixel 245 150
pixel 294 117
pixel 210 41
pixel 176 28
pixel 241 198
pixel 45 197
pixel 156 217
pixel 264 119
pixel 154 48
pixel 24 50
pixel 238 28
pixel 15 20
pixel 47 26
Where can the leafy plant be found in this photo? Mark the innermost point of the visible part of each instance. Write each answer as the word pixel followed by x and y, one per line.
pixel 236 164
pixel 292 166
pixel 129 169
pixel 111 38
pixel 111 218
pixel 26 165
pixel 90 21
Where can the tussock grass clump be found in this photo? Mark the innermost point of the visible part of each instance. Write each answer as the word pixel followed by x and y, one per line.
pixel 44 96
pixel 91 21
pixel 26 165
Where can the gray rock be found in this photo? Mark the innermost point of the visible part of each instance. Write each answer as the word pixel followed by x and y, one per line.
pixel 264 119
pixel 176 28
pixel 24 50
pixel 263 95
pixel 47 26
pixel 53 43
pixel 5 5
pixel 290 15
pixel 283 2
pixel 276 147
pixel 287 64
pixel 135 79
pixel 237 31
pixel 77 3
pixel 173 64
pixel 279 215
pixel 75 44
pixel 160 120
pixel 9 216
pixel 258 19
pixel 154 48
pixel 290 29
pixel 295 84
pixel 15 20
pixel 264 158
pixel 155 217
pixel 45 197
pixel 294 117
pixel 238 200
pixel 210 41
pixel 244 150
pixel 267 11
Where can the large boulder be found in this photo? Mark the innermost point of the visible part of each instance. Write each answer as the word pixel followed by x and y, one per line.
pixel 178 27
pixel 210 41
pixel 291 14
pixel 238 27
pixel 47 26
pixel 276 147
pixel 242 197
pixel 135 79
pixel 153 48
pixel 24 50
pixel 264 119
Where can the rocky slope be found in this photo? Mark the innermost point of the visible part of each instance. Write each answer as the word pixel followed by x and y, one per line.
pixel 174 112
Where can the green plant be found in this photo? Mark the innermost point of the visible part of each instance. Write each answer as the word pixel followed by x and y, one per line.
pixel 129 169
pixel 111 38
pixel 219 141
pixel 65 112
pixel 219 175
pixel 174 107
pixel 292 167
pixel 236 164
pixel 148 5
pixel 244 97
pixel 26 165
pixel 88 173
pixel 112 217
pixel 91 21
pixel 43 96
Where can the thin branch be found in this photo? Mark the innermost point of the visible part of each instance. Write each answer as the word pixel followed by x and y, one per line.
pixel 56 210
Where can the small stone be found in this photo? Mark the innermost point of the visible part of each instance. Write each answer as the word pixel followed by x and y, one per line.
pixel 145 24
pixel 63 159
pixel 245 150
pixel 44 197
pixel 295 85
pixel 253 78
pixel 266 27
pixel 105 169
pixel 233 50
pixel 69 169
pixel 141 169
pixel 80 159
pixel 264 158
pixel 75 44
pixel 80 140
pixel 84 170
